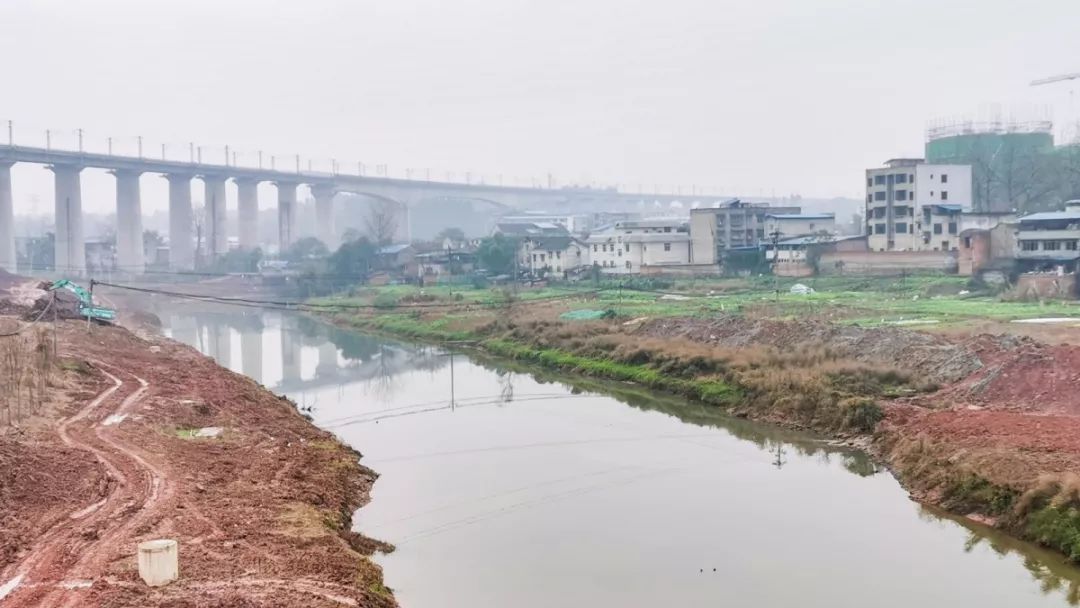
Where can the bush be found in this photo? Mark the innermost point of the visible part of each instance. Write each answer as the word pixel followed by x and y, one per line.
pixel 862 414
pixel 385 301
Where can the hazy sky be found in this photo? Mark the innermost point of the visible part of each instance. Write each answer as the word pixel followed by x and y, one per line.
pixel 754 97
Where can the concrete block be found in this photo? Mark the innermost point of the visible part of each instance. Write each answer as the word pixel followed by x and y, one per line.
pixel 159 562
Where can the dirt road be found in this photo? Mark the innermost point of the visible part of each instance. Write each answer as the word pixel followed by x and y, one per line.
pixel 260 505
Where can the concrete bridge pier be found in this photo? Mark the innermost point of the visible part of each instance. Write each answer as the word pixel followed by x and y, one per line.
pixel 217 240
pixel 181 249
pixel 251 355
pixel 129 226
pixel 324 214
pixel 286 214
pixel 70 244
pixel 248 212
pixel 7 220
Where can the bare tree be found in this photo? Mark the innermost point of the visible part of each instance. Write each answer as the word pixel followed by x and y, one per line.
pixel 382 221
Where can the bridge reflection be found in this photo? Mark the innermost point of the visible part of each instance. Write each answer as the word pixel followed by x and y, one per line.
pixel 290 353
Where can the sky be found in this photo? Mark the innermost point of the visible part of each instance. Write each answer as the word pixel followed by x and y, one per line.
pixel 739 97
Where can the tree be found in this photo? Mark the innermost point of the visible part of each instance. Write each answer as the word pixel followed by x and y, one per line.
pixel 352 262
pixel 497 253
pixel 350 234
pixel 454 234
pixel 304 249
pixel 382 222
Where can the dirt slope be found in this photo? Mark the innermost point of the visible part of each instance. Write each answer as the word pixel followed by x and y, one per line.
pixel 261 511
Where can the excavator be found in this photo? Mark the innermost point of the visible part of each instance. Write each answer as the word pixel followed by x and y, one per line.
pixel 86 303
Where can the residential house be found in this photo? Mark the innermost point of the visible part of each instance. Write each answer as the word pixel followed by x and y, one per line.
pixel 1050 240
pixel 558 255
pixel 630 247
pixel 734 224
pixel 399 258
pixel 795 257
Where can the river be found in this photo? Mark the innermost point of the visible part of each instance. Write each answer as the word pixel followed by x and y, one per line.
pixel 505 488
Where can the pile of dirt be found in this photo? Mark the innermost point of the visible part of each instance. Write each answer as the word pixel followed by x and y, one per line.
pixel 1019 373
pixel 65 303
pixel 930 357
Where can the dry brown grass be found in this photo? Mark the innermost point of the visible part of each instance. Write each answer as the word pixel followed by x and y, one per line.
pixel 26 368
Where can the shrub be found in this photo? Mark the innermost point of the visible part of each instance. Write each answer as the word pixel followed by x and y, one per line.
pixel 861 414
pixel 385 301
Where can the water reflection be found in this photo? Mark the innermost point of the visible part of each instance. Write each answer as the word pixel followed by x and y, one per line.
pixel 666 472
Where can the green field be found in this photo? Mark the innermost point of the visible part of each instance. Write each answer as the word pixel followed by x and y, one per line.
pixel 910 300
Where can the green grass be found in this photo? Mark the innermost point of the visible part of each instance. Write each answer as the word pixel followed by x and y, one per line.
pixel 712 391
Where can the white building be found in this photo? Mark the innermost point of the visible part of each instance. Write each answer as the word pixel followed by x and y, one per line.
pixel 629 246
pixel 915 206
pixel 788 225
pixel 556 255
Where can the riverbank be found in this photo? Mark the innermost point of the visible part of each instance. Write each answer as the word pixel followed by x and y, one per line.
pixel 984 426
pixel 115 438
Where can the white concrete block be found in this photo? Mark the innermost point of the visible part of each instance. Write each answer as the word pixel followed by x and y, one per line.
pixel 159 562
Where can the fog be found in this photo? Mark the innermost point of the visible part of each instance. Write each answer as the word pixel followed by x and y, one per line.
pixel 740 97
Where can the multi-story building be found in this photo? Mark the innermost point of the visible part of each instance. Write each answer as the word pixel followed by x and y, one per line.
pixel 1049 240
pixel 628 246
pixel 732 225
pixel 915 206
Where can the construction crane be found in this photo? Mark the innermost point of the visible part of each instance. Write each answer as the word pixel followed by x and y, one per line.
pixel 1054 79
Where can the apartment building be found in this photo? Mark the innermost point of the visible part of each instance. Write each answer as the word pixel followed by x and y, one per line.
pixel 628 246
pixel 915 206
pixel 732 225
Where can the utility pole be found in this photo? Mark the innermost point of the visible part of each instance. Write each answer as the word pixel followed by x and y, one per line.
pixel 775 234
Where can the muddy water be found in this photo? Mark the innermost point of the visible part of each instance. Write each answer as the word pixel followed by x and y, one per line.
pixel 505 489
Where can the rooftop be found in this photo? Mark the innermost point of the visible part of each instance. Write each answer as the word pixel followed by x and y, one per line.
pixel 802 216
pixel 1046 216
pixel 814 239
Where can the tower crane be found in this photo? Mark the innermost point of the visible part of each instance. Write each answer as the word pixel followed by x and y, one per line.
pixel 1054 79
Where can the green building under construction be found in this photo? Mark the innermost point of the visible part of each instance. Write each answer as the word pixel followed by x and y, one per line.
pixel 1015 166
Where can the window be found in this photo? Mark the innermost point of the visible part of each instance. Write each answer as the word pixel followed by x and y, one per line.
pixel 558 255
pixel 944 180
pixel 1051 245
pixel 944 194
pixel 667 246
pixel 869 182
pixel 869 198
pixel 879 196
pixel 1070 245
pixel 667 228
pixel 901 195
pixel 879 228
pixel 541 257
pixel 605 247
pixel 535 257
pixel 952 227
pixel 967 242
pixel 931 194
pixel 595 247
pixel 620 253
pixel 628 264
pixel 944 245
pixel 1029 245
pixel 879 212
pixel 897 211
pixel 879 180
pixel 937 228
pixel 901 228
pixel 901 178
